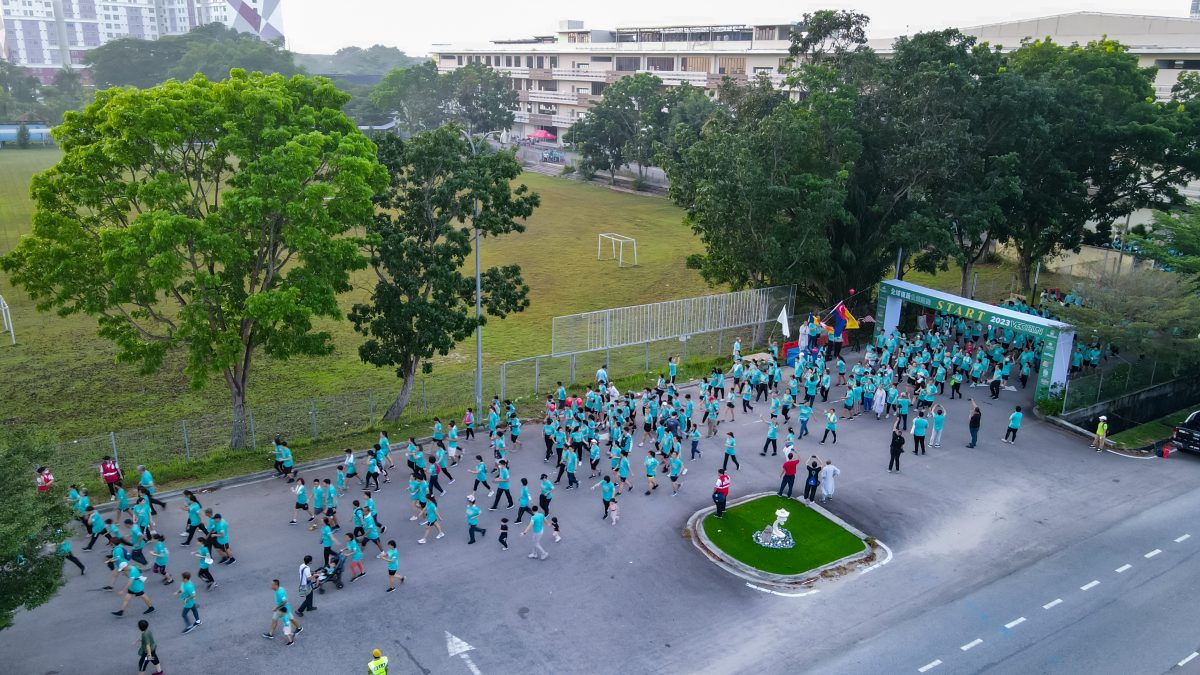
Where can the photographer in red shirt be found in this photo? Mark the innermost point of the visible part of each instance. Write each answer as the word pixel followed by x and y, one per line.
pixel 721 492
pixel 788 473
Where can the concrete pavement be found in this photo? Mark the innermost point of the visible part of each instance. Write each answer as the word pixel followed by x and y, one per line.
pixel 970 528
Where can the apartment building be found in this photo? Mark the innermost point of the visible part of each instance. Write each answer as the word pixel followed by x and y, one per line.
pixel 559 76
pixel 45 36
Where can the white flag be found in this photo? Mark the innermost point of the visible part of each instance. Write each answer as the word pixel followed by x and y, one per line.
pixel 787 332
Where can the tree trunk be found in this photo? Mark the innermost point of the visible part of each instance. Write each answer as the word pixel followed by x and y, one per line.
pixel 397 408
pixel 237 435
pixel 965 288
pixel 1024 268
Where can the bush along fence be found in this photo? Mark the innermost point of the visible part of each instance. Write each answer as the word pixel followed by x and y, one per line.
pixel 1123 378
pixel 197 449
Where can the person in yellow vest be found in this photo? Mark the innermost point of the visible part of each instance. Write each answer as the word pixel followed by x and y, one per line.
pixel 1101 433
pixel 378 666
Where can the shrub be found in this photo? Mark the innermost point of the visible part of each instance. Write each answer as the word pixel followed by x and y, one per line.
pixel 639 183
pixel 568 169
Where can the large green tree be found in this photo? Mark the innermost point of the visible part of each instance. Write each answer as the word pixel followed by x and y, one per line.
pixel 629 124
pixel 1173 241
pixel 474 96
pixel 439 196
pixel 33 524
pixel 213 217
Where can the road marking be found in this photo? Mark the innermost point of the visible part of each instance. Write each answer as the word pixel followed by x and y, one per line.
pixel 973 643
pixel 929 666
pixel 1122 568
pixel 1089 585
pixel 1189 658
pixel 1180 540
pixel 1053 603
pixel 885 561
pixel 781 594
pixel 1015 622
pixel 1153 553
pixel 456 646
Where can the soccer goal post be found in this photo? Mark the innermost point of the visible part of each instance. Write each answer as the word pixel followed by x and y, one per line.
pixel 616 248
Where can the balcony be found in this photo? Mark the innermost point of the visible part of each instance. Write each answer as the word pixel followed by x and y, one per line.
pixel 678 77
pixel 582 74
pixel 540 74
pixel 552 97
pixel 513 71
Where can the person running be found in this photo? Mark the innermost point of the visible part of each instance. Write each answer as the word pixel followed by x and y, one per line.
pixel 431 518
pixel 220 539
pixel 675 465
pixel 1014 424
pixel 651 469
pixel 193 508
pixel 206 561
pixel 146 485
pixel 503 539
pixel 301 501
pixel 623 473
pixel 372 468
pixel 473 518
pixel 537 525
pixel 161 557
pixel 730 452
pixel 392 556
pixel 481 474
pixel 135 588
pixel 282 614
pixel 354 552
pixel 187 593
pixel 64 551
pixel 502 485
pixel 147 649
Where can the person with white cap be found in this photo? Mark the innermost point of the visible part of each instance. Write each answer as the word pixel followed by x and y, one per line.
pixel 473 520
pixel 1101 434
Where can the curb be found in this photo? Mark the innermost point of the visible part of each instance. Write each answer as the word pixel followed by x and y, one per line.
pixel 1078 431
pixel 803 580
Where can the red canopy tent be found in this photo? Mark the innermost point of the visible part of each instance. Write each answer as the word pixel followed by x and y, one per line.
pixel 542 135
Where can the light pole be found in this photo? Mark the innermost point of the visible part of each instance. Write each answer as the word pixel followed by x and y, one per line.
pixel 478 294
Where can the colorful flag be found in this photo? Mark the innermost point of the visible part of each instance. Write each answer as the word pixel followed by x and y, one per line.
pixel 846 316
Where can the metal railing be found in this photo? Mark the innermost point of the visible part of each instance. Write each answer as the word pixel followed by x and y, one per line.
pixel 1121 379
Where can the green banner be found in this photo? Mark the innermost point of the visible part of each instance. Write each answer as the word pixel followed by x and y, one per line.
pixel 968 312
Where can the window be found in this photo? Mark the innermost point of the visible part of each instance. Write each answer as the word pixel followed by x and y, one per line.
pixel 459 57
pixel 628 64
pixel 553 61
pixel 488 59
pixel 541 62
pixel 695 64
pixel 528 61
pixel 601 59
pixel 765 33
pixel 732 65
pixel 508 61
pixel 660 63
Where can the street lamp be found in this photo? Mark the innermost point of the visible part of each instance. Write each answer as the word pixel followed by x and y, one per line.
pixel 478 290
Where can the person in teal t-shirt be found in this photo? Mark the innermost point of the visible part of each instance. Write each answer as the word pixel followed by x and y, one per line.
pixel 1014 424
pixel 187 593
pixel 392 556
pixel 473 518
pixel 920 427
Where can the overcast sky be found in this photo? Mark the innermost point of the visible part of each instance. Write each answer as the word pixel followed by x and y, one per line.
pixel 323 26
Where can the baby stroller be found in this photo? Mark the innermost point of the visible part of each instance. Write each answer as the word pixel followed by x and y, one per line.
pixel 332 573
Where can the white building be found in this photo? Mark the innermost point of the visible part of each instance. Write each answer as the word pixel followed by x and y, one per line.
pixel 45 36
pixel 558 77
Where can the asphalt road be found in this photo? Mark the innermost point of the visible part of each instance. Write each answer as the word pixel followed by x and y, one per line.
pixel 981 537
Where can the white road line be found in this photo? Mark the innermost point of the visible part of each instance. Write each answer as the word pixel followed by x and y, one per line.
pixel 1122 568
pixel 1089 585
pixel 1052 603
pixel 1180 540
pixel 1189 658
pixel 1015 622
pixel 781 594
pixel 885 561
pixel 1153 553
pixel 973 643
pixel 930 666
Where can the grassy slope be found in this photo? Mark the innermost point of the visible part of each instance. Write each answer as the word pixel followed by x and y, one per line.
pixel 819 541
pixel 1157 430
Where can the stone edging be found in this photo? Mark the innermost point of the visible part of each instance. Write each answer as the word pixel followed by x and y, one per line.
pixel 744 571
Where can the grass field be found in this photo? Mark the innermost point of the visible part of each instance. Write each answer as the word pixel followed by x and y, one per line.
pixel 819 541
pixel 1150 432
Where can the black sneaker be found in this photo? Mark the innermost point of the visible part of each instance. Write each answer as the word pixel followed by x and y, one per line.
pixel 300 630
pixel 189 629
pixel 269 636
pixel 119 612
pixel 149 611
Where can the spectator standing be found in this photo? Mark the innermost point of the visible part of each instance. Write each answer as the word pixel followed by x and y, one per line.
pixel 897 447
pixel 1101 434
pixel 721 492
pixel 827 478
pixel 1014 424
pixel 787 474
pixel 813 480
pixel 973 423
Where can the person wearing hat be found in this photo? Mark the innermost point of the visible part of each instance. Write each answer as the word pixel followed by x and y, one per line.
pixel 378 665
pixel 473 520
pixel 1101 433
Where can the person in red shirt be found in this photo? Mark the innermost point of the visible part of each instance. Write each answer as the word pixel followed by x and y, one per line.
pixel 721 492
pixel 45 479
pixel 111 473
pixel 788 473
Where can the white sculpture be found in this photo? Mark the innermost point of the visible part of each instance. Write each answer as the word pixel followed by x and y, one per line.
pixel 781 517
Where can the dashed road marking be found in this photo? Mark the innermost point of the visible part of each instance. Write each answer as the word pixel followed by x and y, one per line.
pixel 1122 568
pixel 973 643
pixel 1189 658
pixel 1052 603
pixel 1015 622
pixel 1180 540
pixel 930 666
pixel 1089 585
pixel 1153 553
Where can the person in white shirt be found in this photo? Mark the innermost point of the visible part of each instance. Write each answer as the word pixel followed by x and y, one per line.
pixel 306 586
pixel 828 473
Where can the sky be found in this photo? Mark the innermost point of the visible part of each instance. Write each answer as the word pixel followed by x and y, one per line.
pixel 324 26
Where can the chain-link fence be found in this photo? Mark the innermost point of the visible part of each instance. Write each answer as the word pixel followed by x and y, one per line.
pixel 1108 383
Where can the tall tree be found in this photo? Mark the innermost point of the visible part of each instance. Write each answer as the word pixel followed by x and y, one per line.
pixel 474 97
pixel 1174 242
pixel 33 523
pixel 209 216
pixel 423 304
pixel 625 126
pixel 214 60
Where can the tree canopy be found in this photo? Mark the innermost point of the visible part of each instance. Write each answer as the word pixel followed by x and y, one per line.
pixel 212 217
pixel 1173 241
pixel 423 303
pixel 374 61
pixel 474 97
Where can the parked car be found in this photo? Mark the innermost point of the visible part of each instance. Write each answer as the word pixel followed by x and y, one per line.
pixel 553 156
pixel 1186 436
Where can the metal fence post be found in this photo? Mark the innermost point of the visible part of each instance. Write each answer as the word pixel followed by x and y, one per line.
pixel 572 369
pixel 503 384
pixel 312 416
pixel 1153 370
pixel 647 357
pixel 112 438
pixel 253 436
pixel 187 447
pixel 1099 386
pixel 537 374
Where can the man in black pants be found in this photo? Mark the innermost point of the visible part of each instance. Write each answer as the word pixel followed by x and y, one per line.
pixel 813 479
pixel 306 587
pixel 994 385
pixel 788 475
pixel 897 447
